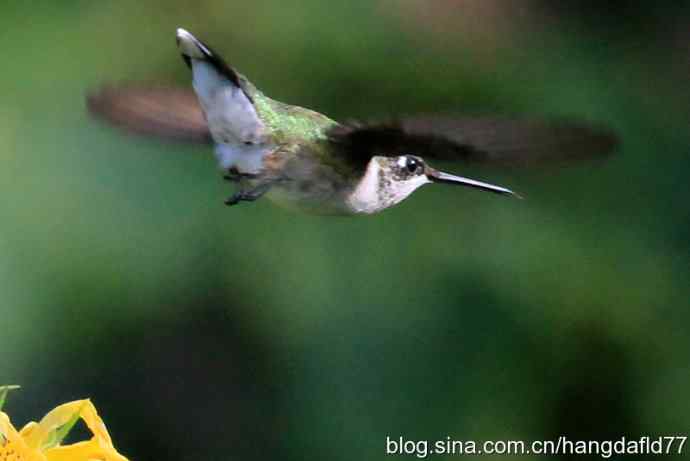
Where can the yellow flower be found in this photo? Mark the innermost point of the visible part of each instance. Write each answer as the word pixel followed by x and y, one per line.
pixel 42 441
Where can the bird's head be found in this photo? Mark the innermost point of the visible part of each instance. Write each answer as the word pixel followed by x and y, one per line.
pixel 389 180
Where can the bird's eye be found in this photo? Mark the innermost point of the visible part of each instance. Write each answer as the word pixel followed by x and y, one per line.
pixel 412 164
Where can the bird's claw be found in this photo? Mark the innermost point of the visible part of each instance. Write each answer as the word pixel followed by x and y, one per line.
pixel 233 175
pixel 247 196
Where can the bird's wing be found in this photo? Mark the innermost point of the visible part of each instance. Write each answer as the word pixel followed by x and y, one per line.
pixel 478 139
pixel 164 112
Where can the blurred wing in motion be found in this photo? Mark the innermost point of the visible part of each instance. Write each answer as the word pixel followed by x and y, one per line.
pixel 163 112
pixel 478 139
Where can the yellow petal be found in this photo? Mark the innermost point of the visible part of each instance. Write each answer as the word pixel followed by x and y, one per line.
pixel 99 447
pixel 27 429
pixel 37 437
pixel 84 451
pixel 95 423
pixel 12 445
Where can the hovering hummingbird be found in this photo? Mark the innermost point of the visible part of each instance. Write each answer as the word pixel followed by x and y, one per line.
pixel 301 158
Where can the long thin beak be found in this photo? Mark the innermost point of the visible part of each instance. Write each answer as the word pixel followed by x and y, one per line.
pixel 441 177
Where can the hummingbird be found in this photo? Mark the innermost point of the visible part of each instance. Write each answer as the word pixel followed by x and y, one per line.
pixel 303 159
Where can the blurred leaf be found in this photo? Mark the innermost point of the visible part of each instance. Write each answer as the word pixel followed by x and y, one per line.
pixel 4 390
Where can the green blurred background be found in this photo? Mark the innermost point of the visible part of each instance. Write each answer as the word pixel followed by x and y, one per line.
pixel 203 332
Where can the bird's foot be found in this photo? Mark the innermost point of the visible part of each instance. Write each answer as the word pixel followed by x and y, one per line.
pixel 247 195
pixel 234 176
